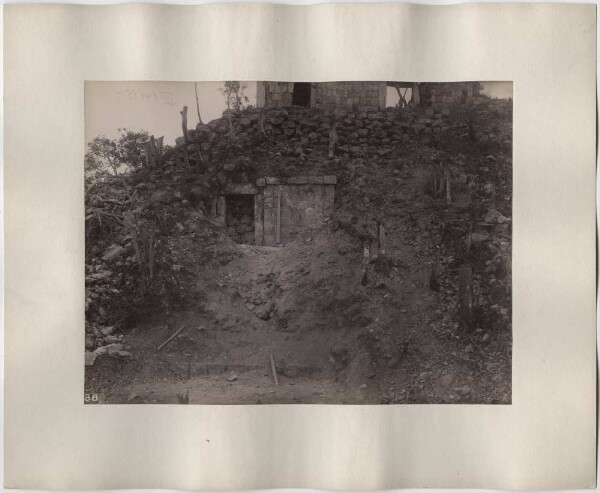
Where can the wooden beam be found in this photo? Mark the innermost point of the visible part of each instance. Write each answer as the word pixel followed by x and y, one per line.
pixel 170 338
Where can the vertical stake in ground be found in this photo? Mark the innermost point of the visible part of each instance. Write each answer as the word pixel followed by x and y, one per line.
pixel 184 126
pixel 273 369
pixel 465 285
pixel 278 215
pixel 333 140
pixel 364 278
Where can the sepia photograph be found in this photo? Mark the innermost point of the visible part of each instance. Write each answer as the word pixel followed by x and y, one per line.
pixel 264 242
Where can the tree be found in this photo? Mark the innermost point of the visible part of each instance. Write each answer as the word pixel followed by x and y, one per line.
pixel 106 156
pixel 235 99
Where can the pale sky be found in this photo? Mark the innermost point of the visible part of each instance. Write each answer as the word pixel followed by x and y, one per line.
pixel 151 106
pixel 498 90
pixel 155 106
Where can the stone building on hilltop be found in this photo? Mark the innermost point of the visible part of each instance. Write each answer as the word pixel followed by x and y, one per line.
pixel 349 96
pixel 445 93
pixel 361 96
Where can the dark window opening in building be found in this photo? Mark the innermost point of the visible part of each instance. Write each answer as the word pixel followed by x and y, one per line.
pixel 301 94
pixel 239 218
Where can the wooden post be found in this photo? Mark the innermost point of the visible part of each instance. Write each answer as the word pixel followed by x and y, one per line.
pixel 221 210
pixel 200 158
pixel 261 123
pixel 159 150
pixel 278 215
pixel 364 277
pixel 274 370
pixel 184 126
pixel 415 96
pixel 147 154
pixel 434 285
pixel 333 140
pixel 150 250
pixel 259 225
pixel 465 284
pixel 381 231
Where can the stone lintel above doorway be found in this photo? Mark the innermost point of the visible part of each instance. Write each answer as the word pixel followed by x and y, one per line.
pixel 240 189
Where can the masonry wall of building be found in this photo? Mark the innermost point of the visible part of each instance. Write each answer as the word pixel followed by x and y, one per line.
pixel 444 93
pixel 275 94
pixel 303 204
pixel 349 96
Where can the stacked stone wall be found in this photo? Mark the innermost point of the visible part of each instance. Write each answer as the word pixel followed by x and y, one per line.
pixel 297 129
pixel 448 93
pixel 278 94
pixel 349 96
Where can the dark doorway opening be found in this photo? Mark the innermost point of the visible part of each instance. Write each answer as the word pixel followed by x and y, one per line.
pixel 239 218
pixel 301 94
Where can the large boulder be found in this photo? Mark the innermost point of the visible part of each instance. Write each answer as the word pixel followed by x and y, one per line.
pixel 113 252
pixel 495 217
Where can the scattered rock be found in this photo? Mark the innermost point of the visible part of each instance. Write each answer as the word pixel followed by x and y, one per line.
pixel 106 331
pixel 446 379
pixel 263 312
pixel 109 349
pixel 495 217
pixel 493 248
pixel 113 252
pixel 479 237
pixel 90 357
pixel 89 342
